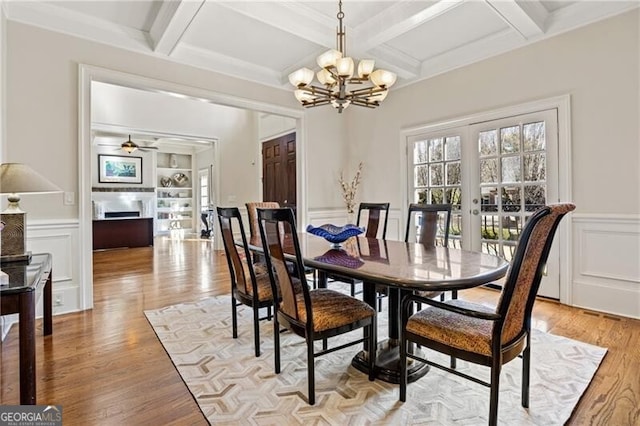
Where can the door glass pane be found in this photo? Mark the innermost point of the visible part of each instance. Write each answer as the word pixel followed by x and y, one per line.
pixel 533 135
pixel 454 197
pixel 421 176
pixel 511 169
pixel 420 152
pixel 453 173
pixel 489 199
pixel 510 139
pixel 511 199
pixel 437 196
pixel 489 171
pixel 534 197
pixel 534 167
pixel 420 196
pixel 488 143
pixel 435 171
pixel 452 148
pixel 435 150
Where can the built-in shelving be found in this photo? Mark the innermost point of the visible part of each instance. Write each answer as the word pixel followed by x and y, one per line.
pixel 174 196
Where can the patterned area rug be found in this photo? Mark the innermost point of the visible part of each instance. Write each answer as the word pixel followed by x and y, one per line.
pixel 232 386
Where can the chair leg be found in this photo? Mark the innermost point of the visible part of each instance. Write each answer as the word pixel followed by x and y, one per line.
pixel 495 386
pixel 276 343
pixel 311 376
pixel 452 363
pixel 526 368
pixel 234 318
pixel 353 289
pixel 454 294
pixel 256 330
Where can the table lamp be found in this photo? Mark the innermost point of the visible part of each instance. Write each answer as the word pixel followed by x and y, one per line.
pixel 16 178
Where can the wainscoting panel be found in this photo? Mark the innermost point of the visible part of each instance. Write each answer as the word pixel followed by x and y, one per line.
pixel 60 238
pixel 606 263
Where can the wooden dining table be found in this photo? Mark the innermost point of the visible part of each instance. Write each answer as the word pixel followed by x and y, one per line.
pixel 402 268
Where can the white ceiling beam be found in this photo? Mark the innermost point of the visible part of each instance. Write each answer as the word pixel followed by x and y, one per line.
pixel 527 18
pixel 173 19
pixel 397 20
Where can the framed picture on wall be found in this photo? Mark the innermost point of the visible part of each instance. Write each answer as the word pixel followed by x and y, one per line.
pixel 119 169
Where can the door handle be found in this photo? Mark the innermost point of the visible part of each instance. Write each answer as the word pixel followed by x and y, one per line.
pixel 475 212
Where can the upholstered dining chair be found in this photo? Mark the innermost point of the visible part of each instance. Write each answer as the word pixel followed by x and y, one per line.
pixel 479 334
pixel 250 284
pixel 373 211
pixel 254 231
pixel 316 314
pixel 428 233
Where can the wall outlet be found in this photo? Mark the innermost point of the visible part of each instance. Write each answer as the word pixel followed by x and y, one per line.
pixel 69 198
pixel 57 300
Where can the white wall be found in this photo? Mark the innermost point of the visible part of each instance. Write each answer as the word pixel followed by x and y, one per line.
pixel 272 126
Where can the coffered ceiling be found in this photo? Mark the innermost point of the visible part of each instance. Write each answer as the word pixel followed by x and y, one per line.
pixel 264 41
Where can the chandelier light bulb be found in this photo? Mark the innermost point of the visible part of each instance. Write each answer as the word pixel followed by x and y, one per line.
pixel 304 96
pixel 383 78
pixel 329 59
pixel 345 67
pixel 301 77
pixel 365 67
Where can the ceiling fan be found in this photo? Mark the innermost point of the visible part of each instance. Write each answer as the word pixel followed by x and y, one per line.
pixel 130 146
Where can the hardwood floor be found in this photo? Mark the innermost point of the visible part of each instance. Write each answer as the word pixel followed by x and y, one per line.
pixel 106 366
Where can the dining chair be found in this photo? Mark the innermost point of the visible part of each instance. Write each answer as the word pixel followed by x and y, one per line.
pixel 373 211
pixel 254 231
pixel 479 334
pixel 250 284
pixel 425 220
pixel 315 314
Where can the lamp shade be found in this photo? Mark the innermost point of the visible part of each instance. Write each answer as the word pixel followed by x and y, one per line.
pixel 344 67
pixel 365 67
pixel 329 58
pixel 383 78
pixel 16 178
pixel 301 77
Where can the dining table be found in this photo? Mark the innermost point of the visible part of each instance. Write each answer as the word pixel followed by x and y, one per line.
pixel 403 268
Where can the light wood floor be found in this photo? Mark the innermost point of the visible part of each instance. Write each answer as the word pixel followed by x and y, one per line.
pixel 106 366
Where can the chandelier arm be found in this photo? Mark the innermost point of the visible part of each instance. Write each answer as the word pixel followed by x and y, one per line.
pixel 315 90
pixel 368 90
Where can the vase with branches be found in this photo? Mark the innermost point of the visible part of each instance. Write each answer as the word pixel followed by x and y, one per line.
pixel 350 189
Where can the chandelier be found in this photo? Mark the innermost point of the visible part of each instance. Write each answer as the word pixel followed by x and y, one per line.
pixel 337 73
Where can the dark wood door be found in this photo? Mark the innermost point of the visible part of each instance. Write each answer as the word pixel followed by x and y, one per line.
pixel 279 170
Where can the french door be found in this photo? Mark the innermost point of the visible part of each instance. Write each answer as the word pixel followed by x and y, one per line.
pixel 495 174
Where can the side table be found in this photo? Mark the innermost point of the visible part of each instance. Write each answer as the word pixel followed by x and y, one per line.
pixel 28 280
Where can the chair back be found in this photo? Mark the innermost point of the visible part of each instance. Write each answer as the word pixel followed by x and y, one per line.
pixel 275 244
pixel 252 213
pixel 373 222
pixel 431 214
pixel 242 273
pixel 526 269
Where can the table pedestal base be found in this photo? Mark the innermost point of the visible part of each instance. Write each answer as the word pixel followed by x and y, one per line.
pixel 388 363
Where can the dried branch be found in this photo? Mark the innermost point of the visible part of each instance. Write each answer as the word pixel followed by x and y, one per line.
pixel 349 189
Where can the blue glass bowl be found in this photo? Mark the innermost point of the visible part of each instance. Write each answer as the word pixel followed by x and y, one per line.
pixel 335 234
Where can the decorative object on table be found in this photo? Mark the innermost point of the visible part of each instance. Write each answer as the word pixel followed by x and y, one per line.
pixel 180 179
pixel 166 181
pixel 350 189
pixel 119 169
pixel 340 257
pixel 336 235
pixel 173 161
pixel 17 179
pixel 337 73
